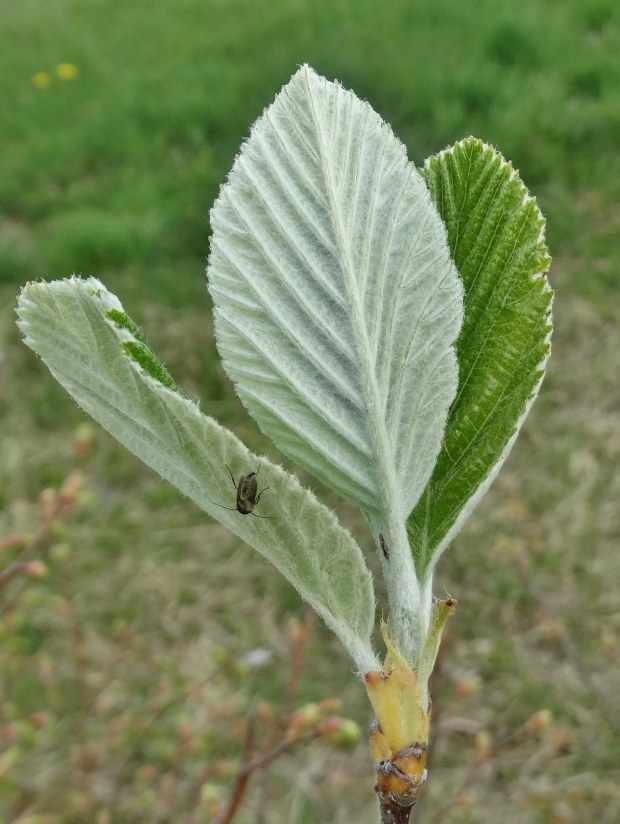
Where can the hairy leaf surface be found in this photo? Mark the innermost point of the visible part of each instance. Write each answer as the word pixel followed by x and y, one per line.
pixel 96 352
pixel 496 235
pixel 336 301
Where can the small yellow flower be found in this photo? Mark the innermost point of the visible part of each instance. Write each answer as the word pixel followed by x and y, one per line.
pixel 67 71
pixel 41 80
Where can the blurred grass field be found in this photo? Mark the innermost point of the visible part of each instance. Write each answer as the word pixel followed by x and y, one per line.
pixel 112 695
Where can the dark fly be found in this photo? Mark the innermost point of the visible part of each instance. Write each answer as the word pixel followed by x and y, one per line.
pixel 247 493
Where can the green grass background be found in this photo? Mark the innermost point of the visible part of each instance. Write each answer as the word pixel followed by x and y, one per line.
pixel 113 174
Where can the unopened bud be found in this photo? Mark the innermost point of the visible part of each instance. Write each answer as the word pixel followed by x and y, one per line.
pixel 60 553
pixel 538 722
pixel 264 712
pixel 185 730
pixel 35 569
pixel 70 489
pixel 9 758
pixel 59 531
pixel 230 708
pixel 147 774
pixel 551 630
pixel 220 655
pixel 464 801
pixel 225 768
pixel 14 540
pixel 302 720
pixel 210 799
pixel 8 733
pixel 559 739
pixel 83 440
pixel 340 732
pixel 122 630
pixel 483 745
pixel 609 641
pixel 27 733
pixel 467 686
pixel 41 718
pixel 48 502
pixel 329 706
pixel 240 670
pixel 295 630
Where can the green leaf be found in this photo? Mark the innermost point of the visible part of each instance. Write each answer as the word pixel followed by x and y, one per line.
pixel 336 301
pixel 81 332
pixel 496 236
pixel 337 307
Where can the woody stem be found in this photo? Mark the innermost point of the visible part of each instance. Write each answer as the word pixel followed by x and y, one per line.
pixel 392 812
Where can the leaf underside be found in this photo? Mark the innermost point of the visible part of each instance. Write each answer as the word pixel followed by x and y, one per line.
pixel 91 347
pixel 496 236
pixel 336 301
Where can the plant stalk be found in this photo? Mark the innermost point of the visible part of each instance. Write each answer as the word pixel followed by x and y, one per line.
pixel 392 812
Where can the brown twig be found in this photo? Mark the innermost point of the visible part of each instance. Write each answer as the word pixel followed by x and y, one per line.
pixel 248 767
pixel 194 801
pixel 20 564
pixel 17 567
pixel 243 775
pixel 132 755
pixel 79 657
pixel 12 541
pixel 263 797
pixel 571 653
pixel 264 760
pixel 394 813
pixel 52 504
pixel 297 659
pixel 505 743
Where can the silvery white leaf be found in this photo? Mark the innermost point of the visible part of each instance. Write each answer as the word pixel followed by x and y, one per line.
pixel 336 301
pixel 95 351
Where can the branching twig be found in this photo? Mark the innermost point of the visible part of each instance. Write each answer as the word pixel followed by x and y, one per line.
pixel 243 775
pixel 20 564
pixel 271 749
pixel 264 760
pixel 132 755
pixel 52 507
pixel 506 743
pixel 297 658
pixel 571 653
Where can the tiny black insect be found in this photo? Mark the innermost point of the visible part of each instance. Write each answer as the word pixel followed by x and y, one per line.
pixel 247 497
pixel 384 548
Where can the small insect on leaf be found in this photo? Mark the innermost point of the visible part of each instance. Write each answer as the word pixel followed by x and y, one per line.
pixel 383 544
pixel 247 497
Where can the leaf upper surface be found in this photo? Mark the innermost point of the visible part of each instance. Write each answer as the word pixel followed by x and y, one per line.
pixel 496 236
